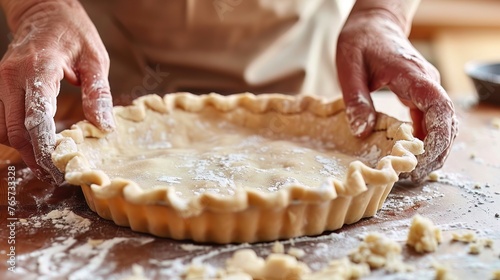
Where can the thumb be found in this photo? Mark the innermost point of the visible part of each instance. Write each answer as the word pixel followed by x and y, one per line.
pixel 360 111
pixel 418 119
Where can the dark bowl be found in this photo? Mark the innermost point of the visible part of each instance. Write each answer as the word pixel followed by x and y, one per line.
pixel 486 79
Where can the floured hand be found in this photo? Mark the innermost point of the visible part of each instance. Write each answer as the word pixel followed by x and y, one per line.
pixel 52 40
pixel 373 52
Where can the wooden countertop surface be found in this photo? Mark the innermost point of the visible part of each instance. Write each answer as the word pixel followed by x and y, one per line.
pixel 466 197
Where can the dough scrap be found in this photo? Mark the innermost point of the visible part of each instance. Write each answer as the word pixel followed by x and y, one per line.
pixel 280 266
pixel 433 176
pixel 137 273
pixel 496 275
pixel 378 251
pixel 200 271
pixel 296 252
pixel 495 122
pixel 423 235
pixel 443 272
pixel 275 266
pixel 342 269
pixel 466 237
pixel 475 249
pixel 278 248
pixel 476 245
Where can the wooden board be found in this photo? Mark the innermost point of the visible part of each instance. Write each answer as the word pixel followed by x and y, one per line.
pixel 467 197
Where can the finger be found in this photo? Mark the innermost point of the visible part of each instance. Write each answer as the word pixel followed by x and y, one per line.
pixel 17 135
pixel 419 174
pixel 353 80
pixel 12 129
pixel 96 94
pixel 40 109
pixel 438 123
pixel 417 117
pixel 425 166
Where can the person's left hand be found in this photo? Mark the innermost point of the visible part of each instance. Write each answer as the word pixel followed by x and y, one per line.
pixel 373 52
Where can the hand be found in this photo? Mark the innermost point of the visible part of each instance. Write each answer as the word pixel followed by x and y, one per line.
pixel 52 40
pixel 372 52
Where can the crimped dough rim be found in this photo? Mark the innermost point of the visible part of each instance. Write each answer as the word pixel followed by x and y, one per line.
pixel 359 176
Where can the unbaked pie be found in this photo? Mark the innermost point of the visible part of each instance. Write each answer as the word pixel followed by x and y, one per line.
pixel 239 168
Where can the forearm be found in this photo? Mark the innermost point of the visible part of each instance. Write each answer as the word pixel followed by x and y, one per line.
pixel 401 11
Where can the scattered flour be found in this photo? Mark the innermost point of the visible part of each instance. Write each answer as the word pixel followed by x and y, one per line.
pixel 55 261
pixel 169 179
pixel 281 183
pixel 137 273
pixel 24 174
pixel 331 167
pixel 371 156
pixel 442 272
pixel 398 202
pixel 193 247
pixel 202 172
pixel 61 219
pixel 96 255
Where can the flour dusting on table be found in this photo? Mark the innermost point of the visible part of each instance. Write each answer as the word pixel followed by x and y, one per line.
pixel 64 219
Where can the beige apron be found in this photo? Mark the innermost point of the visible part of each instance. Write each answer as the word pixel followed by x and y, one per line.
pixel 223 46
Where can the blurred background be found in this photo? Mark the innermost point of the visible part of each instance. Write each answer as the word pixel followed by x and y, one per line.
pixel 450 33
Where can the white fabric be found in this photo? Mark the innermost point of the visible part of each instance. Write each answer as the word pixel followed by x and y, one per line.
pixel 223 45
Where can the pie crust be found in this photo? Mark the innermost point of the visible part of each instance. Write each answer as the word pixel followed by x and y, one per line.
pixel 239 168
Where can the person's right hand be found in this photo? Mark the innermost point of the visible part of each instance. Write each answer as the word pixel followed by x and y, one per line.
pixel 52 40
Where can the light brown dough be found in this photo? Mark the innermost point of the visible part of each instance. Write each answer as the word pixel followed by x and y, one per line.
pixel 260 167
pixel 423 235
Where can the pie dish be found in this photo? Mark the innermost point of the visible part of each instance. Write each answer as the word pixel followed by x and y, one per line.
pixel 239 168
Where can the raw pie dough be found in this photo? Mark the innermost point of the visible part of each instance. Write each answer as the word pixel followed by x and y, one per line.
pixel 239 168
pixel 423 235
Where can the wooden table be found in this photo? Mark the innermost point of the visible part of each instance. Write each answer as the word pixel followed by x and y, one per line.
pixel 466 197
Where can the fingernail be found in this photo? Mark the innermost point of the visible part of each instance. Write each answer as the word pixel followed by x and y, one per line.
pixel 108 121
pixel 104 114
